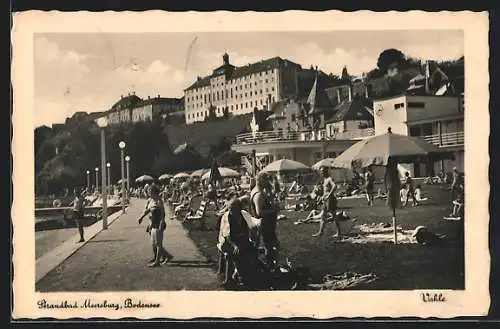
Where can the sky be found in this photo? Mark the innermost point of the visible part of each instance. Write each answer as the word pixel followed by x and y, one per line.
pixel 89 71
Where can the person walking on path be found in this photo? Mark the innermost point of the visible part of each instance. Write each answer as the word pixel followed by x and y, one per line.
pixel 329 202
pixel 156 211
pixel 78 207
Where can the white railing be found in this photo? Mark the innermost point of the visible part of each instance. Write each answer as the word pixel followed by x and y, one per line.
pixel 313 135
pixel 446 139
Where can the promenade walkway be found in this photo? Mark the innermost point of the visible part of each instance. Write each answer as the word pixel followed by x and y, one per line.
pixel 116 260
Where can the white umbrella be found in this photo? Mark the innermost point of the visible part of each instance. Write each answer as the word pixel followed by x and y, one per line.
pixel 285 165
pixel 181 175
pixel 144 178
pixel 165 177
pixel 328 162
pixel 198 173
pixel 224 172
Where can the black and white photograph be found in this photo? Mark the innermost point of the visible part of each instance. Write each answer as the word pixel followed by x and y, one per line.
pixel 239 162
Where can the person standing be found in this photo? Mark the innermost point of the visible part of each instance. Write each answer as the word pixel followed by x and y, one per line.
pixel 410 190
pixel 369 185
pixel 455 183
pixel 329 202
pixel 263 206
pixel 78 209
pixel 156 211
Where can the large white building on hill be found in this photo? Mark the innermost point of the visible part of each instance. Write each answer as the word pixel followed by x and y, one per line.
pixel 239 90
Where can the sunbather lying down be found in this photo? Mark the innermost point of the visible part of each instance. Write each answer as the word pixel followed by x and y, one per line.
pixel 341 217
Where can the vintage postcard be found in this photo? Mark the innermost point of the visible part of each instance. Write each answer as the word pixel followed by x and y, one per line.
pixel 222 164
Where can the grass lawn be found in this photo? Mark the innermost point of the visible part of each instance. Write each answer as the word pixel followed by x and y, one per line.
pixel 398 267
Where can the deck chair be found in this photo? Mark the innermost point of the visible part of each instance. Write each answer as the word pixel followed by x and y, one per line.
pixel 183 208
pixel 200 213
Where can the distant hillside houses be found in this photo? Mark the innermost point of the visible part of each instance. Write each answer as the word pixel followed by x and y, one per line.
pixel 132 108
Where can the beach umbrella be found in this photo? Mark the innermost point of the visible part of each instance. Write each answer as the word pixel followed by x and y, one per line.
pixel 144 179
pixel 198 173
pixel 377 150
pixel 284 166
pixel 328 162
pixel 389 150
pixel 222 173
pixel 276 116
pixel 165 177
pixel 181 175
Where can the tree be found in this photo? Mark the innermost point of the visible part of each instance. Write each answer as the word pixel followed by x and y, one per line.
pixel 345 75
pixel 388 57
pixel 374 74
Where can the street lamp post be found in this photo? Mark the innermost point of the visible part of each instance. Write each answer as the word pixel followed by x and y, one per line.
pixel 121 145
pixel 108 173
pixel 127 160
pixel 88 180
pixel 97 178
pixel 103 123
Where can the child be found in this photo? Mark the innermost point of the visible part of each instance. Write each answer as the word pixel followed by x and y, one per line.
pixel 418 195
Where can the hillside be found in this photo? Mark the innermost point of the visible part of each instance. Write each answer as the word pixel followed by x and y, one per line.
pixel 204 136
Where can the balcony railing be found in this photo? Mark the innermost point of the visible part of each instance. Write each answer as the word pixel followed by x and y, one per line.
pixel 446 140
pixel 318 135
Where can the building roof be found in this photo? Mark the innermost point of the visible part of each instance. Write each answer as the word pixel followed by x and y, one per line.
pixel 127 102
pixel 237 72
pixel 200 82
pixel 349 110
pixel 160 100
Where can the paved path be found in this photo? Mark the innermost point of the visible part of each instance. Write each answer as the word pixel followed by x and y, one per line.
pixel 116 260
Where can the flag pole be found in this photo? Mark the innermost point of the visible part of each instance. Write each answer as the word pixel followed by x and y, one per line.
pixel 427 76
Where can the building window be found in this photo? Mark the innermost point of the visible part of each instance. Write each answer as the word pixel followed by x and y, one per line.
pixel 250 94
pixel 399 105
pixel 246 105
pixel 272 88
pixel 231 108
pixel 267 80
pixel 261 91
pixel 261 102
pixel 255 82
pixel 251 103
pixel 418 105
pixel 236 106
pixel 246 94
pixel 236 88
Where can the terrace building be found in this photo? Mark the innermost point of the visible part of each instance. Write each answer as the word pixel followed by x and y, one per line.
pixel 437 119
pixel 307 131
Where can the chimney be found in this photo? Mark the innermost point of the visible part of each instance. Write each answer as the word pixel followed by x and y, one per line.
pixel 158 95
pixel 133 93
pixel 149 97
pixel 350 93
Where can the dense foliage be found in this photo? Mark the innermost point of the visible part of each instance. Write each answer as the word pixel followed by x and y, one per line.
pixel 64 154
